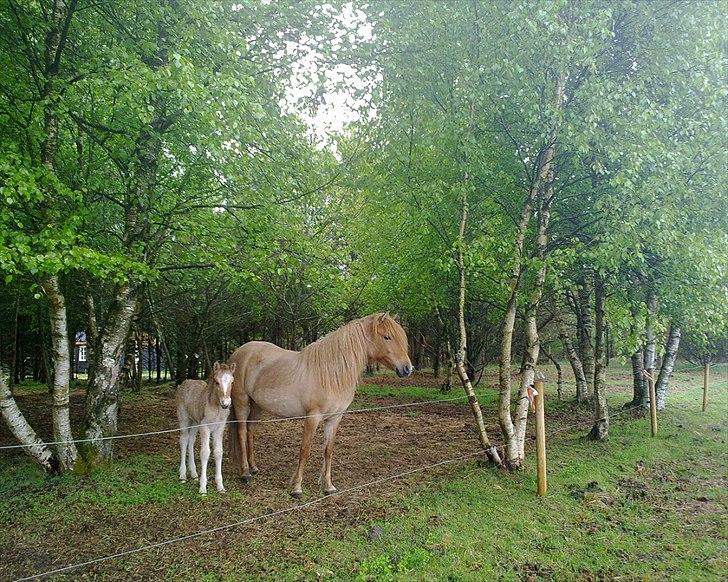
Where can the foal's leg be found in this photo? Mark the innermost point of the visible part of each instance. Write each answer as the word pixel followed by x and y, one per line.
pixel 309 429
pixel 184 437
pixel 204 457
pixel 255 414
pixel 191 438
pixel 331 424
pixel 217 443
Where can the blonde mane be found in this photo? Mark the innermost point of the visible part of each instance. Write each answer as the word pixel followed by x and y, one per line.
pixel 339 358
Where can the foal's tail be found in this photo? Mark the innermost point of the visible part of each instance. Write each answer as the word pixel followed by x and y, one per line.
pixel 235 453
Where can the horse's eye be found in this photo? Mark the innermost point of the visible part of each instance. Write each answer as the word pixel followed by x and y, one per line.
pixel 386 337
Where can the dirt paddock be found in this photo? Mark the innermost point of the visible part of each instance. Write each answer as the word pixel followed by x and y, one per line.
pixel 370 445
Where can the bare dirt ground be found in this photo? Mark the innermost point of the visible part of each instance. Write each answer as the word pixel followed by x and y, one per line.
pixel 369 446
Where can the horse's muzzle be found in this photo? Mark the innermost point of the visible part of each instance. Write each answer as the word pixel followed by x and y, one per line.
pixel 404 371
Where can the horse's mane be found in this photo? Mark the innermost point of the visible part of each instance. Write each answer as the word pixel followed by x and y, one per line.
pixel 338 359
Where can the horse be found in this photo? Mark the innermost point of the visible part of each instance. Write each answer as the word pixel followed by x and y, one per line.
pixel 317 383
pixel 206 404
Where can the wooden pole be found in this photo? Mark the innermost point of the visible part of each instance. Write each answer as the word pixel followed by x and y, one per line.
pixel 706 381
pixel 653 401
pixel 540 437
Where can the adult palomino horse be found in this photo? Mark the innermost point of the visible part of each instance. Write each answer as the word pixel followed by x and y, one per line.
pixel 317 383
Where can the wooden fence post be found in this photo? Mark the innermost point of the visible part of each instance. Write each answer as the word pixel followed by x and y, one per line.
pixel 653 401
pixel 540 436
pixel 706 381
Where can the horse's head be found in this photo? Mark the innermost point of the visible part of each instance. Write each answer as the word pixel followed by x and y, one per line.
pixel 389 345
pixel 222 379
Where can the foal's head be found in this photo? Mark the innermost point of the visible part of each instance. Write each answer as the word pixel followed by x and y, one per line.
pixel 222 382
pixel 389 345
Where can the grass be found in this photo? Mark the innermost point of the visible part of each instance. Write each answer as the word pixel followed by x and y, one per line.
pixel 632 507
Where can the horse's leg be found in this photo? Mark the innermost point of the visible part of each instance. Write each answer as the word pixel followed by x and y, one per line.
pixel 204 457
pixel 191 438
pixel 255 414
pixel 217 442
pixel 309 429
pixel 330 426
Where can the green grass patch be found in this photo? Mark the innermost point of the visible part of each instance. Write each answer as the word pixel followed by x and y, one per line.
pixel 633 506
pixel 26 493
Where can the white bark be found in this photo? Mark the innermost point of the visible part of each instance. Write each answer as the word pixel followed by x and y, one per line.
pixel 573 357
pixel 104 393
pixel 586 331
pixel 22 431
pixel 66 451
pixel 532 338
pixel 668 363
pixel 541 190
pixel 650 353
pixel 600 430
pixel 461 355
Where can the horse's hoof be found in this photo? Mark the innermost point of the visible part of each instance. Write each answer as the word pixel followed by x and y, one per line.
pixel 203 493
pixel 247 479
pixel 183 480
pixel 297 494
pixel 221 491
pixel 330 491
pixel 254 470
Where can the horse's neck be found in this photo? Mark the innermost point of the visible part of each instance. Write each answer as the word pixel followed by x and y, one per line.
pixel 339 358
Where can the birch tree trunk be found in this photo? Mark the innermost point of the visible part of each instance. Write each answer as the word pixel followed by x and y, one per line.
pixel 512 459
pixel 573 357
pixel 559 372
pixel 55 40
pixel 600 430
pixel 514 433
pixel 586 331
pixel 668 363
pixel 22 431
pixel 66 453
pixel 461 356
pixel 639 385
pixel 532 337
pixel 650 352
pixel 103 396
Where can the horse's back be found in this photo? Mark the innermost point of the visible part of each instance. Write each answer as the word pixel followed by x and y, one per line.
pixel 269 375
pixel 254 354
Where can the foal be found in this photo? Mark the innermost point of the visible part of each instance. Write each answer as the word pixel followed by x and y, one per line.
pixel 206 404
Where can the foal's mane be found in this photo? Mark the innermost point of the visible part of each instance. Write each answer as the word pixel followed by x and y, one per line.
pixel 338 359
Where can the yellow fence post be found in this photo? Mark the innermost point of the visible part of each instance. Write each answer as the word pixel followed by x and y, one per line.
pixel 540 436
pixel 653 401
pixel 706 381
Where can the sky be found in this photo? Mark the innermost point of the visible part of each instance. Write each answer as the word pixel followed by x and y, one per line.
pixel 340 105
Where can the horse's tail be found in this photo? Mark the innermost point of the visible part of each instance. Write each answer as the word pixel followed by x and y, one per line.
pixel 234 450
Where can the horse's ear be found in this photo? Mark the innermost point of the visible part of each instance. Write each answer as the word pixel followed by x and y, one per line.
pixel 232 367
pixel 216 366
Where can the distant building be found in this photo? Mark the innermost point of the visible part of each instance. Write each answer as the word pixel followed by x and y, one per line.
pixel 145 354
pixel 80 353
